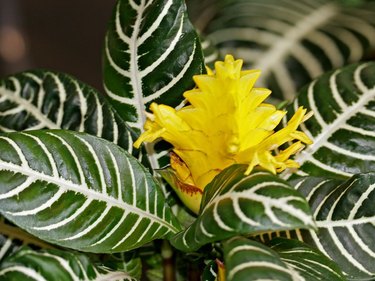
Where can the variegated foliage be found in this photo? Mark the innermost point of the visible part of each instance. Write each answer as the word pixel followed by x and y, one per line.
pixel 343 125
pixel 291 42
pixel 79 191
pixel 210 272
pixel 126 262
pixel 235 204
pixel 47 265
pixel 286 260
pixel 39 99
pixel 12 238
pixel 345 218
pixel 151 53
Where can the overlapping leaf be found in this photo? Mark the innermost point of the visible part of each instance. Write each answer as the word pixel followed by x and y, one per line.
pixel 126 262
pixel 79 191
pixel 291 42
pixel 236 204
pixel 287 260
pixel 151 53
pixel 342 127
pixel 345 217
pixel 27 264
pixel 39 99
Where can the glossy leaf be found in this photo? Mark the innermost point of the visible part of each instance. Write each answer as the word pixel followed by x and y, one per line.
pixel 210 271
pixel 80 191
pixel 151 53
pixel 39 99
pixel 12 237
pixel 291 42
pixel 287 260
pixel 126 262
pixel 345 217
pixel 342 127
pixel 235 204
pixel 46 265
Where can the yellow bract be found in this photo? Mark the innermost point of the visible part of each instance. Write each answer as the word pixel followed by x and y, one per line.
pixel 224 123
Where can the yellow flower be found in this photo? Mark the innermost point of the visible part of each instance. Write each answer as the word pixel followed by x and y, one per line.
pixel 225 122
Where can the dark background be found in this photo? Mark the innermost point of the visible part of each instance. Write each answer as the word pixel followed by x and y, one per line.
pixel 64 36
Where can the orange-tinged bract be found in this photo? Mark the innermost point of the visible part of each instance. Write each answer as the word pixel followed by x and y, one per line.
pixel 225 122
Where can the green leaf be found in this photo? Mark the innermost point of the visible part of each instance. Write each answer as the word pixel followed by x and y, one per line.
pixel 236 204
pixel 210 52
pixel 27 264
pixel 151 53
pixel 342 127
pixel 79 191
pixel 287 260
pixel 126 262
pixel 12 237
pixel 40 99
pixel 345 217
pixel 210 272
pixel 290 42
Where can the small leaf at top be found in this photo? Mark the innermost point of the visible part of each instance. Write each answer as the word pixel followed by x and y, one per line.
pixel 151 53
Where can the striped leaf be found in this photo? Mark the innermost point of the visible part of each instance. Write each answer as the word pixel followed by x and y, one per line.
pixel 345 216
pixel 151 53
pixel 287 261
pixel 126 262
pixel 12 237
pixel 343 125
pixel 291 42
pixel 235 204
pixel 80 191
pixel 210 52
pixel 210 272
pixel 39 99
pixel 27 264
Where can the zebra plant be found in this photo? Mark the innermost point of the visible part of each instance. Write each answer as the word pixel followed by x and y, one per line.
pixel 81 198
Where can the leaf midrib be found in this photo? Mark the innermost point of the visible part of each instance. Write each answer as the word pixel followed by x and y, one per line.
pixel 88 193
pixel 29 107
pixel 328 131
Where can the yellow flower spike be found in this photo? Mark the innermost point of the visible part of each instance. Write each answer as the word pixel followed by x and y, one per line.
pixel 225 122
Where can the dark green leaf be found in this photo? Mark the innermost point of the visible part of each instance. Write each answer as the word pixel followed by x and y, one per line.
pixel 151 53
pixel 345 216
pixel 39 99
pixel 79 191
pixel 343 125
pixel 56 265
pixel 234 204
pixel 291 42
pixel 287 261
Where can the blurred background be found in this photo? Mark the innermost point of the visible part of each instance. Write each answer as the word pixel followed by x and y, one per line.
pixel 66 36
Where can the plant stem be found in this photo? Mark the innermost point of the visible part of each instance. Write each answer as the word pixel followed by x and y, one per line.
pixel 168 262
